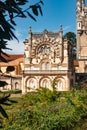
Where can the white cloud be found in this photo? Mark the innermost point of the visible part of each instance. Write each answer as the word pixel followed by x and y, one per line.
pixel 66 28
pixel 18 34
pixel 17 48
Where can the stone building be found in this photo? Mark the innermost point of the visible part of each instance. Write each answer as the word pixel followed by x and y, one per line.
pixel 81 20
pixel 47 58
pixel 81 35
pixel 13 78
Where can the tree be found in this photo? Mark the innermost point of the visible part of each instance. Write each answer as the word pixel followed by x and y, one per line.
pixel 71 36
pixel 9 10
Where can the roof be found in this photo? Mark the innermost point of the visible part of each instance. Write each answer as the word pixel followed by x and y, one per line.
pixel 12 63
pixel 12 59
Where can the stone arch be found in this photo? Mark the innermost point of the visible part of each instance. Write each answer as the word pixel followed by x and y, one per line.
pixel 39 43
pixel 31 83
pixel 49 47
pixel 45 82
pixel 16 85
pixel 60 83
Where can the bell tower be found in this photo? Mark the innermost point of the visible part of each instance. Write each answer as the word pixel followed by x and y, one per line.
pixel 81 28
pixel 81 16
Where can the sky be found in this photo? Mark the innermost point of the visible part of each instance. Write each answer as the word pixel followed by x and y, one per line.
pixel 55 13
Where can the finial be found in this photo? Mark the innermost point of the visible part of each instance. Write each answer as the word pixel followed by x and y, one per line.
pixel 61 28
pixel 30 29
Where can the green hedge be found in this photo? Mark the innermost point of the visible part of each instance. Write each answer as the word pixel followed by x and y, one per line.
pixel 48 110
pixel 11 91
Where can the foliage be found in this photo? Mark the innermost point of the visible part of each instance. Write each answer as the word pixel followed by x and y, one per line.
pixel 41 111
pixel 4 100
pixel 53 84
pixel 10 9
pixel 3 83
pixel 72 38
pixel 4 97
pixel 18 91
pixel 10 69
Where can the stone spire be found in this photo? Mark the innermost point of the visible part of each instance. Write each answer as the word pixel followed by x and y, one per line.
pixel 30 36
pixel 61 33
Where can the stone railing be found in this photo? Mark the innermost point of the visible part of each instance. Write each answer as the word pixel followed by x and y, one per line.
pixel 47 72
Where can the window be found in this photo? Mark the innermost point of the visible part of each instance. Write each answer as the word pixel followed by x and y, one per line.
pixel 16 85
pixel 32 84
pixel 45 83
pixel 79 25
pixel 5 87
pixel 60 85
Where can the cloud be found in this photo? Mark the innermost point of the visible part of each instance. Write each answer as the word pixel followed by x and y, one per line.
pixel 17 48
pixel 66 28
pixel 18 34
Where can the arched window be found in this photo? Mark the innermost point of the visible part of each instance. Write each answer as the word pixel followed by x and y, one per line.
pixel 32 84
pixel 79 25
pixel 60 85
pixel 45 83
pixel 16 85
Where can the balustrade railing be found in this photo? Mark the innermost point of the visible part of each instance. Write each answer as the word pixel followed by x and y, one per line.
pixel 45 71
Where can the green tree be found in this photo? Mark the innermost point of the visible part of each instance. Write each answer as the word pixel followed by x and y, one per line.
pixel 9 10
pixel 71 36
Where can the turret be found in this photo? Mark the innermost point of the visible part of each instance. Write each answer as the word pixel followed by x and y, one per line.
pixel 61 34
pixel 30 44
pixel 79 13
pixel 30 36
pixel 28 47
pixel 81 16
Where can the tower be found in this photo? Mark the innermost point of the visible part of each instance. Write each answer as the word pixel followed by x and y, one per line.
pixel 81 27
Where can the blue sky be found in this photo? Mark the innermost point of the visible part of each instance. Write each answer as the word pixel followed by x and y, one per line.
pixel 55 13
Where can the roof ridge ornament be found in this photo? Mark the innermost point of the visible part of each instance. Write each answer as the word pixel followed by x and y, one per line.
pixel 61 30
pixel 30 29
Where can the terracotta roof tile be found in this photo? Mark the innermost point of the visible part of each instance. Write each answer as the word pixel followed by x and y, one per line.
pixel 12 63
pixel 10 57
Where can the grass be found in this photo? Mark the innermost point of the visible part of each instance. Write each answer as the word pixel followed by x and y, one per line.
pixel 47 110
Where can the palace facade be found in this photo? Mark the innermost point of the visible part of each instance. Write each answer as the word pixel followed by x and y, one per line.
pixel 48 58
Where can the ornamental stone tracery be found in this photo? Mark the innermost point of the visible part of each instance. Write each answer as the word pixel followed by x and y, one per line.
pixel 47 55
